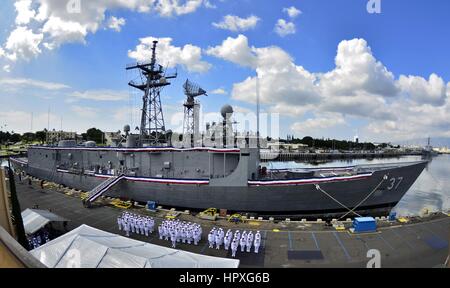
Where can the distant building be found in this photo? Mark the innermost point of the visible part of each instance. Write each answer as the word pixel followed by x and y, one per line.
pixel 112 138
pixel 55 136
pixel 278 146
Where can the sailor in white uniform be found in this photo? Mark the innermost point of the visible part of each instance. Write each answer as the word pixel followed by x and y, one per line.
pixel 152 225
pixel 218 239
pixel 119 222
pixel 173 238
pixel 160 232
pixel 249 241
pixel 146 224
pixel 126 227
pixel 195 236
pixel 243 242
pixel 234 246
pixel 257 241
pixel 211 239
pixel 189 235
pixel 226 241
pixel 237 234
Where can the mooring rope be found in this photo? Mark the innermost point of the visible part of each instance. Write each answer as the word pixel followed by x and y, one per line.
pixel 334 199
pixel 351 210
pixel 385 177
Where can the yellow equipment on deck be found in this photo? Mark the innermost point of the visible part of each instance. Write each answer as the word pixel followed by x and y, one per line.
pixel 235 218
pixel 209 214
pixel 84 195
pixel 121 204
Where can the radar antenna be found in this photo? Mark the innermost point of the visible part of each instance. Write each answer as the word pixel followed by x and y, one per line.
pixel 191 112
pixel 154 79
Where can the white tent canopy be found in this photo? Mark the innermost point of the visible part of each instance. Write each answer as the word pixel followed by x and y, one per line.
pixel 34 219
pixel 87 247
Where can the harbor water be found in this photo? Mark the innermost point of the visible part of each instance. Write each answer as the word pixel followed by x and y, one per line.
pixel 430 191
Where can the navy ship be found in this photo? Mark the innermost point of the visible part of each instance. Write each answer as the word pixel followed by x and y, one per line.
pixel 221 171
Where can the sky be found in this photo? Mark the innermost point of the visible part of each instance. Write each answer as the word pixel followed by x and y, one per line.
pixel 335 69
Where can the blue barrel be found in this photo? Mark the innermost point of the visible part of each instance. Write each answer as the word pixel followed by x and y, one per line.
pixel 151 205
pixel 392 216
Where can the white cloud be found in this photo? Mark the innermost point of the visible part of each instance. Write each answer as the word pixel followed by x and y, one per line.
pixel 25 82
pixel 284 28
pixel 281 80
pixel 60 31
pixel 22 43
pixel 188 56
pixel 357 70
pixel 101 95
pixel 292 12
pixel 235 23
pixel 320 122
pixel 433 91
pixel 7 68
pixel 218 91
pixel 169 8
pixel 359 86
pixel 115 23
pixel 24 12
pixel 235 50
pixel 57 26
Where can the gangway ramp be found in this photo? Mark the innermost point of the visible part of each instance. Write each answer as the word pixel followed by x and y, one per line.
pixel 102 188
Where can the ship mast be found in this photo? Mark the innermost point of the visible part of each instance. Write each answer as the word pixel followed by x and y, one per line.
pixel 152 129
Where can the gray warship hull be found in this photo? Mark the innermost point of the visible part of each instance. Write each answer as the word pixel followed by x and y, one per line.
pixel 369 190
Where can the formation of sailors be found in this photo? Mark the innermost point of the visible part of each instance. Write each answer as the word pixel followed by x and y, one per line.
pixel 38 239
pixel 180 231
pixel 229 240
pixel 129 222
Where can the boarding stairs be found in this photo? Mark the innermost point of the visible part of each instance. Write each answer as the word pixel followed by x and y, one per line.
pixel 102 188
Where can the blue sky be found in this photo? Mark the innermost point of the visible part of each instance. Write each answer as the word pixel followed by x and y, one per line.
pixel 385 64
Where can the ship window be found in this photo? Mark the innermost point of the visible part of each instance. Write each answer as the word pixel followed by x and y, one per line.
pixel 121 162
pixel 101 156
pixel 46 156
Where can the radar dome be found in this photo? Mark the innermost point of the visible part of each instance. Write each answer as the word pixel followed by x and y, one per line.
pixel 126 128
pixel 226 111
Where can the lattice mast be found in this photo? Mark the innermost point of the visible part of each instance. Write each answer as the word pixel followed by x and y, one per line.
pixel 191 110
pixel 152 129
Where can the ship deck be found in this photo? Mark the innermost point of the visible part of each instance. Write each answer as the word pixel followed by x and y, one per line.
pixel 421 244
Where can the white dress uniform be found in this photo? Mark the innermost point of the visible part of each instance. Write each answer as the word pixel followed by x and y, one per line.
pixel 146 228
pixel 243 242
pixel 249 241
pixel 218 239
pixel 237 234
pixel 257 243
pixel 119 223
pixel 160 231
pixel 211 239
pixel 189 236
pixel 234 246
pixel 126 227
pixel 226 241
pixel 173 239
pixel 132 225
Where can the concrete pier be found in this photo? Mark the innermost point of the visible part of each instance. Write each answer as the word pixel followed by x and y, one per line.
pixel 422 244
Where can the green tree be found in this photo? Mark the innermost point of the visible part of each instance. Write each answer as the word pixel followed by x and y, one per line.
pixel 94 134
pixel 41 136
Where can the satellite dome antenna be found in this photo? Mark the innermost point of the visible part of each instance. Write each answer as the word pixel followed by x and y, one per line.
pixel 191 111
